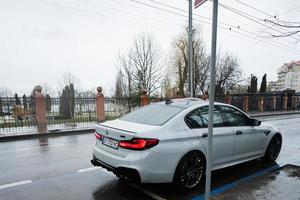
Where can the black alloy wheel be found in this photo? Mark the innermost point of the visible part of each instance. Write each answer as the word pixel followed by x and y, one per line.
pixel 190 171
pixel 273 149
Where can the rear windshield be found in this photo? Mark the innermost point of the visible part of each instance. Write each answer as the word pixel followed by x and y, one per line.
pixel 155 114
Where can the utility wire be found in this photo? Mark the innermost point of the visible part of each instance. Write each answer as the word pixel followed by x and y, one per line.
pixel 250 17
pixel 185 16
pixel 122 11
pixel 268 20
pixel 252 7
pixel 207 18
pixel 222 27
pixel 99 14
pixel 185 11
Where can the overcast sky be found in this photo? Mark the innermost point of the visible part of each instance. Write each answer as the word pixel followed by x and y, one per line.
pixel 40 40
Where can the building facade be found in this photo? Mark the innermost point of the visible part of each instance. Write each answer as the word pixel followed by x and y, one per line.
pixel 288 77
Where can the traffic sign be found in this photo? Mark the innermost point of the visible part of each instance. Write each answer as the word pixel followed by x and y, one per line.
pixel 198 3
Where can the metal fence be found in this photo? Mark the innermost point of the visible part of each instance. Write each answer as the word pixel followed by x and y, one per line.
pixel 75 113
pixel 78 113
pixel 62 114
pixel 15 115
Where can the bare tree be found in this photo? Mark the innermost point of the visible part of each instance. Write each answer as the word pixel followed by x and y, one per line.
pixel 119 85
pixel 140 67
pixel 5 92
pixel 146 58
pixel 125 74
pixel 47 89
pixel 179 62
pixel 228 73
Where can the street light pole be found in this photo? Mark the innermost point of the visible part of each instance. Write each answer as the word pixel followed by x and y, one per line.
pixel 211 98
pixel 190 50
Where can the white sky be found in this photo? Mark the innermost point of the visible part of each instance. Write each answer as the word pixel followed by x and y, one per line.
pixel 40 40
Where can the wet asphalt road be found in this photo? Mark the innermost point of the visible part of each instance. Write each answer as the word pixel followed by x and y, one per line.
pixel 59 168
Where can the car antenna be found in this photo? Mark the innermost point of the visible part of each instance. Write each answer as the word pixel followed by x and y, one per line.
pixel 168 101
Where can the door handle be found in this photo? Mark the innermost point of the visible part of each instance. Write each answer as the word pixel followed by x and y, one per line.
pixel 267 132
pixel 204 135
pixel 238 132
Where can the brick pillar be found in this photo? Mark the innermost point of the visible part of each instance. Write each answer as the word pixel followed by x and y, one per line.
pixel 260 104
pixel 245 103
pixel 294 102
pixel 284 102
pixel 144 98
pixel 100 111
pixel 273 103
pixel 40 109
pixel 228 99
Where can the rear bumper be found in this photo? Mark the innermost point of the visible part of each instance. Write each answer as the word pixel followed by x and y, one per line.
pixel 121 172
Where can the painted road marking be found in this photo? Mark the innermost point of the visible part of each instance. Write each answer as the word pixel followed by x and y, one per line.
pixel 233 184
pixel 88 169
pixel 149 193
pixel 14 184
pixel 29 148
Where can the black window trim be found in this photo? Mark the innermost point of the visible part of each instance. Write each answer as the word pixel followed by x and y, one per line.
pixel 216 107
pixel 227 123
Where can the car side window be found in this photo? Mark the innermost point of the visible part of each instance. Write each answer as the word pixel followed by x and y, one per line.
pixel 218 120
pixel 234 117
pixel 199 118
pixel 194 120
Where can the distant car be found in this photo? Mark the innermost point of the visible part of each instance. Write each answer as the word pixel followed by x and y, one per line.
pixel 167 142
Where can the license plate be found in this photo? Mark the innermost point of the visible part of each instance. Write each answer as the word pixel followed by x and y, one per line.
pixel 110 142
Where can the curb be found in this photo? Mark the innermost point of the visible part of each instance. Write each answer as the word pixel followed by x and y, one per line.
pixel 45 134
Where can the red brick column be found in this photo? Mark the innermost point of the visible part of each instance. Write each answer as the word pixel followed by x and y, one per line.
pixel 245 103
pixel 100 111
pixel 144 98
pixel 40 109
pixel 228 99
pixel 294 102
pixel 273 103
pixel 260 104
pixel 284 102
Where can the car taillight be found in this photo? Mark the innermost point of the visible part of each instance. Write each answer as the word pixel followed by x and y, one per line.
pixel 98 136
pixel 138 143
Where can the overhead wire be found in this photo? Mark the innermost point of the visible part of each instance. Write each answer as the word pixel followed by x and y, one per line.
pixel 230 27
pixel 120 11
pixel 99 14
pixel 271 26
pixel 178 14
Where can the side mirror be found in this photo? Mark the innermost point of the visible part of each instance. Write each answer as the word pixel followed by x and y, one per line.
pixel 254 122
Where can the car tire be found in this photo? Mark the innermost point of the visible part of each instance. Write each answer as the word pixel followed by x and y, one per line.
pixel 190 171
pixel 273 149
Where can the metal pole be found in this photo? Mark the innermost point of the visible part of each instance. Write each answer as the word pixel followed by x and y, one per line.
pixel 190 50
pixel 211 98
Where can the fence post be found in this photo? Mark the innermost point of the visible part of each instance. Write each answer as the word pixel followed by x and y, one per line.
pixel 100 111
pixel 246 103
pixel 40 109
pixel 260 103
pixel 284 103
pixel 144 98
pixel 294 104
pixel 273 103
pixel 228 99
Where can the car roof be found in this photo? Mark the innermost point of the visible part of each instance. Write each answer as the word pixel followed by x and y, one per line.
pixel 188 102
pixel 184 102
